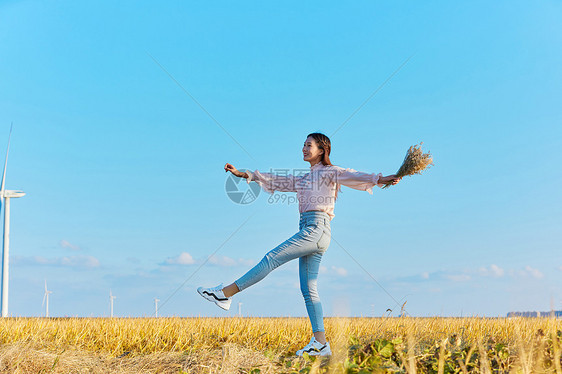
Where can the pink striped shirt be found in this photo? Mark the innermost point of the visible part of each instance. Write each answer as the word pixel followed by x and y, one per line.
pixel 316 190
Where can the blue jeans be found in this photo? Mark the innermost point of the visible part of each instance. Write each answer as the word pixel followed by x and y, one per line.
pixel 308 245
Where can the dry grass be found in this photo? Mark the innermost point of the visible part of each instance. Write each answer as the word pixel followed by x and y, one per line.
pixel 415 162
pixel 236 345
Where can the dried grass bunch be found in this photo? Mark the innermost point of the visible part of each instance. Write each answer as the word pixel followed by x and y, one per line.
pixel 415 162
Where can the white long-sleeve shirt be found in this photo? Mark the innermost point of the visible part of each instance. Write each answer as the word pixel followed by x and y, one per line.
pixel 316 190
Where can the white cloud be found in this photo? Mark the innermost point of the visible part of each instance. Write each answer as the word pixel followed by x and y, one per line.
pixel 183 259
pixel 80 261
pixel 186 258
pixel 342 272
pixel 246 262
pixel 492 271
pixel 228 261
pixel 66 244
pixel 339 271
pixel 535 273
pixel 458 277
pixel 223 261
pixel 68 261
pixel 496 271
pixel 425 275
pixel 527 272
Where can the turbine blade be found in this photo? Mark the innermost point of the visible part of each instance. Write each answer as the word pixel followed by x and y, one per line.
pixel 45 286
pixel 5 166
pixel 44 296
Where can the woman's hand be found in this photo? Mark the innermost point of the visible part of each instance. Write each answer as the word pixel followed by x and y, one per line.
pixel 390 179
pixel 229 167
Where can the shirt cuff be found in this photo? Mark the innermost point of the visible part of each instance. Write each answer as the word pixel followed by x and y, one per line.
pixel 250 176
pixel 376 180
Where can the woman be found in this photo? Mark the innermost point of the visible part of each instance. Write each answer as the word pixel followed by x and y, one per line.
pixel 316 192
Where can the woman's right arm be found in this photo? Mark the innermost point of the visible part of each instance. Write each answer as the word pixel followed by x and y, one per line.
pixel 268 181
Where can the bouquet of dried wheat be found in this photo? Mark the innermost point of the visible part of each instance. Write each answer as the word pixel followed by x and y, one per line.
pixel 415 162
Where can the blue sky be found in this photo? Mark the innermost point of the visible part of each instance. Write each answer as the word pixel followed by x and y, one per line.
pixel 124 177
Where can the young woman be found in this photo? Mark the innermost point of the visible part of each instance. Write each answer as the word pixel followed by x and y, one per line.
pixel 316 192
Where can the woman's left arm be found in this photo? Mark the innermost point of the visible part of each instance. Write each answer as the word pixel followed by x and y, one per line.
pixel 362 181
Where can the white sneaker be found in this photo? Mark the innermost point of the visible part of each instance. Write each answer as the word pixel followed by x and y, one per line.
pixel 216 295
pixel 315 348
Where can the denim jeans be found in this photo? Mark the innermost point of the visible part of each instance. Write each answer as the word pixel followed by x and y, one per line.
pixel 308 245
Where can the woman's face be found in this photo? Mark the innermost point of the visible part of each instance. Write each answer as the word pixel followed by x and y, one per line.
pixel 310 151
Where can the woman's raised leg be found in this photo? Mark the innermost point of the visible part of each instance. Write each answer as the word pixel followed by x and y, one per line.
pixel 303 243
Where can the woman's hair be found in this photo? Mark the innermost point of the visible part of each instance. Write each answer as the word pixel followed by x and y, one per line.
pixel 324 143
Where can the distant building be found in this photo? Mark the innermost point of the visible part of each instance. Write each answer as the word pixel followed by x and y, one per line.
pixel 555 313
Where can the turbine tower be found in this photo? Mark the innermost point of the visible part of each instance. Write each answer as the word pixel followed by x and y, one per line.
pixel 46 298
pixel 240 309
pixel 111 298
pixel 5 196
pixel 156 306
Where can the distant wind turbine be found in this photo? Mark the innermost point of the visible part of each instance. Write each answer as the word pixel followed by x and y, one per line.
pixel 6 194
pixel 111 298
pixel 240 309
pixel 156 306
pixel 46 300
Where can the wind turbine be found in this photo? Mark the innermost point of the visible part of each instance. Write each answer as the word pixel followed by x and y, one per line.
pixel 111 298
pixel 46 298
pixel 6 194
pixel 156 306
pixel 240 309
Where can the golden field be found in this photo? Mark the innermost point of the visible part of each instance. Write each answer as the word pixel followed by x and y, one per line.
pixel 267 345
